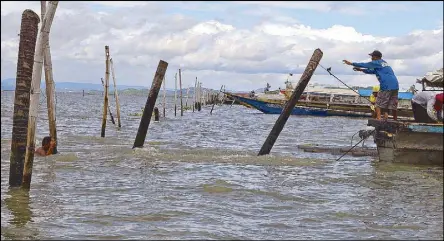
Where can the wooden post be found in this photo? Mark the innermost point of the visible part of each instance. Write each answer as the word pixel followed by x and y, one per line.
pixel 280 122
pixel 105 99
pixel 49 80
pixel 175 94
pixel 115 93
pixel 150 103
pixel 156 114
pixel 194 95
pixel 212 107
pixel 180 86
pixel 164 98
pixel 83 91
pixel 200 97
pixel 35 92
pixel 25 63
pixel 109 108
pixel 186 99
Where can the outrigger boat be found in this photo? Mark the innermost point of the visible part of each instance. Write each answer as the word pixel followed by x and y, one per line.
pixel 410 142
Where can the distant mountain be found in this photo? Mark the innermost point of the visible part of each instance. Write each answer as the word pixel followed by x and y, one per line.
pixel 9 84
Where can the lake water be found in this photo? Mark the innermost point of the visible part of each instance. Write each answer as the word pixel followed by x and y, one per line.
pixel 199 177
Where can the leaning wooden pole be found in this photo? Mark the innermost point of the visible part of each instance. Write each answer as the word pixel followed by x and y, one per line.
pixel 150 103
pixel 164 98
pixel 105 99
pixel 25 63
pixel 289 106
pixel 115 93
pixel 50 90
pixel 214 102
pixel 35 92
pixel 180 86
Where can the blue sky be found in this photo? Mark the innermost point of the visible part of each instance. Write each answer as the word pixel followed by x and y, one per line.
pixel 240 44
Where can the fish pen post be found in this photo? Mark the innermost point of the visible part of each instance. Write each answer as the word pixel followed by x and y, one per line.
pixel 180 86
pixel 175 94
pixel 214 102
pixel 156 114
pixel 25 63
pixel 49 80
pixel 83 93
pixel 115 93
pixel 109 108
pixel 150 103
pixel 186 98
pixel 164 98
pixel 35 92
pixel 194 95
pixel 105 99
pixel 199 101
pixel 289 106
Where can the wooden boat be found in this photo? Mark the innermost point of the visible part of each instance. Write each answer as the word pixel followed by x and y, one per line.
pixel 408 142
pixel 276 108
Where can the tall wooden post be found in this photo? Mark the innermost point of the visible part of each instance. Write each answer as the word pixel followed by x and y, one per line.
pixel 194 95
pixel 35 92
pixel 175 94
pixel 109 108
pixel 49 80
pixel 150 103
pixel 186 98
pixel 164 98
pixel 25 63
pixel 180 86
pixel 105 99
pixel 115 93
pixel 289 106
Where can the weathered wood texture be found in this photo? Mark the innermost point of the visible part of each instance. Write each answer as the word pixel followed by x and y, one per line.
pixel 25 63
pixel 280 122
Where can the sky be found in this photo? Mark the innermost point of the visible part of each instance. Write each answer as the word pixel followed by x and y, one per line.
pixel 242 45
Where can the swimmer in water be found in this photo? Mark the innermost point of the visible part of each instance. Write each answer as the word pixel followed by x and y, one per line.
pixel 47 147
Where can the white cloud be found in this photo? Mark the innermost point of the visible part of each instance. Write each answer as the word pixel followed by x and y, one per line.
pixel 218 52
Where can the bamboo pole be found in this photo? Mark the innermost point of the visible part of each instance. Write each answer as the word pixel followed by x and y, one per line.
pixel 164 98
pixel 35 92
pixel 289 106
pixel 25 63
pixel 180 86
pixel 175 94
pixel 115 93
pixel 186 99
pixel 105 99
pixel 49 80
pixel 109 108
pixel 150 103
pixel 194 94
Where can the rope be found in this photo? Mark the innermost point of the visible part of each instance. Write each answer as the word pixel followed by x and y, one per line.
pixel 355 145
pixel 329 71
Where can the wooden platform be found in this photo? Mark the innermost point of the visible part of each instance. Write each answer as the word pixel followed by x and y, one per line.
pixel 339 150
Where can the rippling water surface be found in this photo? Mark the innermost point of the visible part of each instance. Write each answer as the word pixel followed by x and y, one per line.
pixel 198 177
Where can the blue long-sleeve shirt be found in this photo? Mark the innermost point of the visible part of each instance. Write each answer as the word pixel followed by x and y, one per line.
pixel 383 72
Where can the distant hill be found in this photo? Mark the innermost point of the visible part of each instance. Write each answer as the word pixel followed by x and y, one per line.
pixel 9 84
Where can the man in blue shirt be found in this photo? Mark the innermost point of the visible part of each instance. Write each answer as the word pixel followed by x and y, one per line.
pixel 389 87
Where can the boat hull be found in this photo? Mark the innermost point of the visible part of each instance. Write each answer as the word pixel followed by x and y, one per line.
pixel 408 142
pixel 275 108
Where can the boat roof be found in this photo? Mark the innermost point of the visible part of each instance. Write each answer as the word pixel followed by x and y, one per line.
pixel 433 79
pixel 401 95
pixel 329 91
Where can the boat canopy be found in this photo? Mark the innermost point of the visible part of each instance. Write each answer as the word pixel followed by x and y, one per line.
pixel 433 79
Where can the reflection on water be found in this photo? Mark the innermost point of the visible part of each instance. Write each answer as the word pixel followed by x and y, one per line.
pixel 199 177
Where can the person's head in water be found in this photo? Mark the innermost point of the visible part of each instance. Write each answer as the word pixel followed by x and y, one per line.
pixel 46 143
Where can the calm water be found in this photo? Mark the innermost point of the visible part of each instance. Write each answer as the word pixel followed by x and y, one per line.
pixel 198 177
